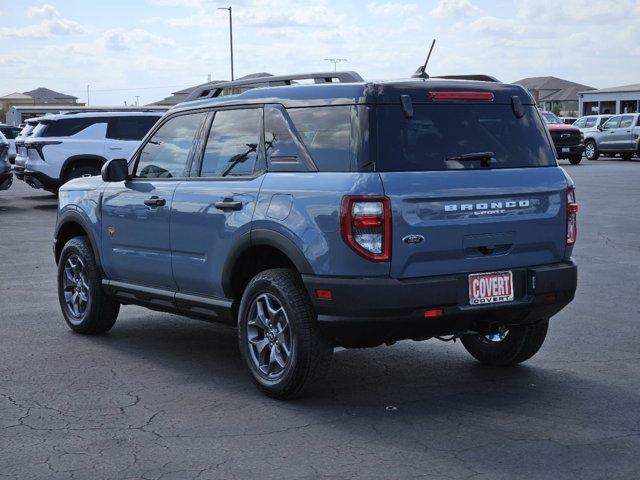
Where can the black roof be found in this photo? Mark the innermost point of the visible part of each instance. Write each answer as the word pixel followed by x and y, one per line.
pixel 362 93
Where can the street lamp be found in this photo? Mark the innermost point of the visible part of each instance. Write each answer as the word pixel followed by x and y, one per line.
pixel 335 62
pixel 230 36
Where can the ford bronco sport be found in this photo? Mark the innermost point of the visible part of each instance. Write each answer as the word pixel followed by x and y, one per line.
pixel 341 213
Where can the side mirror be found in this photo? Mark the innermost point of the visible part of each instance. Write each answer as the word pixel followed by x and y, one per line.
pixel 116 170
pixel 600 127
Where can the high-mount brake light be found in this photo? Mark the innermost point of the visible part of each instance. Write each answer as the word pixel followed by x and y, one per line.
pixel 462 96
pixel 366 226
pixel 572 214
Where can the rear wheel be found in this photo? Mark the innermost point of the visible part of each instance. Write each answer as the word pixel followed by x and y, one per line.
pixel 85 306
pixel 82 170
pixel 575 159
pixel 507 347
pixel 626 156
pixel 278 335
pixel 591 150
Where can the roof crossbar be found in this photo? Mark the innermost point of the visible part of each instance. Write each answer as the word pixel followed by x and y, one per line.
pixel 212 90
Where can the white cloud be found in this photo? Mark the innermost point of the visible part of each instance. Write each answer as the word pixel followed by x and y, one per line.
pixel 455 9
pixel 388 9
pixel 120 40
pixel 46 10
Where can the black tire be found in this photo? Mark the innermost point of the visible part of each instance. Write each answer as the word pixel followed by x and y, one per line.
pixel 81 170
pixel 626 156
pixel 591 150
pixel 310 352
pixel 520 344
pixel 101 311
pixel 575 159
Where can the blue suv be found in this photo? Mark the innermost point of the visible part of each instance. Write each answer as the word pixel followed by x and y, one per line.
pixel 340 213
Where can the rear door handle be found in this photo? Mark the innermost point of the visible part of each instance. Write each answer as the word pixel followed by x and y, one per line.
pixel 228 204
pixel 155 202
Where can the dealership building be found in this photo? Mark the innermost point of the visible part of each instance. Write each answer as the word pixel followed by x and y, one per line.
pixel 624 99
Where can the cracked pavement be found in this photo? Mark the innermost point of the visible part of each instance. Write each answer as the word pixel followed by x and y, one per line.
pixel 163 397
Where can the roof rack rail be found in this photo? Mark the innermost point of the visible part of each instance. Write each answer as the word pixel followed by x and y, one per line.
pixel 107 110
pixel 478 77
pixel 213 90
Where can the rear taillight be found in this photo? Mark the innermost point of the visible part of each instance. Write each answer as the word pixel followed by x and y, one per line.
pixel 572 216
pixel 40 144
pixel 366 226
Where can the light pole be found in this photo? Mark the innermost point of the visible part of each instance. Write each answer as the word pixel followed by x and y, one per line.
pixel 230 36
pixel 335 62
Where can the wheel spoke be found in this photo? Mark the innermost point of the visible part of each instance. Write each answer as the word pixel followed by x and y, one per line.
pixel 260 344
pixel 261 318
pixel 277 356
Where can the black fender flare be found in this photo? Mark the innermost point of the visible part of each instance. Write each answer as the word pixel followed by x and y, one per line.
pixel 74 158
pixel 267 238
pixel 71 216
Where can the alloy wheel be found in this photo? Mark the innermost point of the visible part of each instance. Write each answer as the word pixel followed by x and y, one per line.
pixel 269 336
pixel 75 288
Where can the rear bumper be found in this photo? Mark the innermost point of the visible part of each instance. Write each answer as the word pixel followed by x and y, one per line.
pixel 40 180
pixel 565 151
pixel 6 179
pixel 370 311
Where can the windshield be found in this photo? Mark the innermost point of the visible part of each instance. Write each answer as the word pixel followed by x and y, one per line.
pixel 551 118
pixel 461 136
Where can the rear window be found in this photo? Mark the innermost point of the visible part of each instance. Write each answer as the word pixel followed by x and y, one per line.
pixel 10 132
pixel 67 127
pixel 133 127
pixel 446 137
pixel 326 132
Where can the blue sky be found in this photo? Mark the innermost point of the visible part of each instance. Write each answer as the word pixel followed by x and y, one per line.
pixel 149 48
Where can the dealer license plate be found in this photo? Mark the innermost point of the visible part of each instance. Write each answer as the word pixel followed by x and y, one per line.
pixel 566 150
pixel 492 287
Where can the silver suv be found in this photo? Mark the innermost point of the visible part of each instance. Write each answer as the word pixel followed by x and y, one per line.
pixel 610 135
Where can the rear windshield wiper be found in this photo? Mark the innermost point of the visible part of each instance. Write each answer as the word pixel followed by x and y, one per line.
pixel 484 157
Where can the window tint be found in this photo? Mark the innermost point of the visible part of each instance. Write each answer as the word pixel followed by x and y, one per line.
pixel 10 132
pixel 232 145
pixel 278 140
pixel 326 132
pixel 438 137
pixel 134 127
pixel 590 122
pixel 166 154
pixel 602 120
pixel 551 118
pixel 613 122
pixel 626 121
pixel 67 127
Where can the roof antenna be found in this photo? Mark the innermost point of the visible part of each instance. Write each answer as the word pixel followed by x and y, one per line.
pixel 422 70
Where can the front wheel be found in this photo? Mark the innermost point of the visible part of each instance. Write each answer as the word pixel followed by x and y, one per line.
pixel 626 156
pixel 507 347
pixel 82 170
pixel 575 159
pixel 85 306
pixel 278 335
pixel 591 150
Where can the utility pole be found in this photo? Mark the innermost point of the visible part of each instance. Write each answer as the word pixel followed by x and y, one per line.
pixel 137 100
pixel 335 62
pixel 230 36
pixel 88 99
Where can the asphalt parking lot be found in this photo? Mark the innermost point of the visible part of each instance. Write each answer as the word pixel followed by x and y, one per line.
pixel 161 396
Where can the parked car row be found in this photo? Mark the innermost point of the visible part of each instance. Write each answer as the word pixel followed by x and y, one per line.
pixel 54 149
pixel 5 168
pixel 10 133
pixel 611 135
pixel 567 139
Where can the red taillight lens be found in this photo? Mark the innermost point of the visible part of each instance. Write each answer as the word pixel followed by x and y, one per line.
pixel 461 96
pixel 366 226
pixel 572 216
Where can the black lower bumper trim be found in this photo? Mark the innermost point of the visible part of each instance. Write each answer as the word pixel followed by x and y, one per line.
pixel 370 311
pixel 40 180
pixel 572 150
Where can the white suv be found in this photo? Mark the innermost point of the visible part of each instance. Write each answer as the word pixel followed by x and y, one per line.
pixel 72 145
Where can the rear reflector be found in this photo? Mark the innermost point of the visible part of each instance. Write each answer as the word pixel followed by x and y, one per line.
pixel 433 313
pixel 461 96
pixel 322 294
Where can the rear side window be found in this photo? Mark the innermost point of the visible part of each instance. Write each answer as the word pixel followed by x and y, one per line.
pixel 166 154
pixel 326 132
pixel 232 144
pixel 130 128
pixel 461 136
pixel 67 127
pixel 626 121
pixel 591 122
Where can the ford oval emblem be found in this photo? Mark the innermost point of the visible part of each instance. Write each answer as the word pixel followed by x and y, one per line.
pixel 413 239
